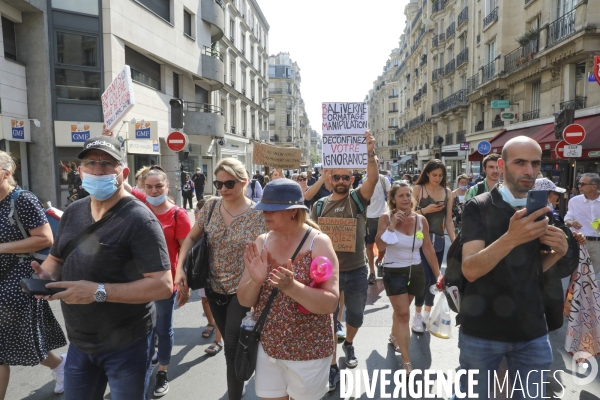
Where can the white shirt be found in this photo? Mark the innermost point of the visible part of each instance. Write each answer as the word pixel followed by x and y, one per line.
pixel 258 191
pixel 378 204
pixel 584 211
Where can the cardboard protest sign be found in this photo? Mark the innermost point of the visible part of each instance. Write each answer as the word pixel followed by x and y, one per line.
pixel 258 153
pixel 118 98
pixel 282 157
pixel 341 231
pixel 344 151
pixel 348 118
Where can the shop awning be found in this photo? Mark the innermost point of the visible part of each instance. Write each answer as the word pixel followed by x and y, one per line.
pixel 535 132
pixel 591 143
pixel 476 156
pixel 404 159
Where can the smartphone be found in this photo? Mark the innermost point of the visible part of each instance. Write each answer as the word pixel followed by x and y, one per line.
pixel 438 203
pixel 536 199
pixel 38 287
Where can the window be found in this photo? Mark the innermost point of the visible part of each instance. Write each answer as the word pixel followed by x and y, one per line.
pixel 231 30
pixel 175 85
pixel 187 23
pixel 243 44
pixel 79 6
pixel 10 41
pixel 143 69
pixel 74 49
pixel 77 85
pixel 535 95
pixel 162 8
pixel 271 72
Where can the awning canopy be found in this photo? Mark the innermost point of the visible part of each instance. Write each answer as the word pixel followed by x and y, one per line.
pixel 404 159
pixel 477 156
pixel 591 143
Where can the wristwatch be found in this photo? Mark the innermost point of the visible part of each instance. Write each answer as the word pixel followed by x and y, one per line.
pixel 100 294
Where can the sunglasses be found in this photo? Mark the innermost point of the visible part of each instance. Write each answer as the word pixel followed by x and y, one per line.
pixel 345 178
pixel 228 184
pixel 301 179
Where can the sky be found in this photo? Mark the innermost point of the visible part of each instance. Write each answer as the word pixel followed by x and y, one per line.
pixel 340 46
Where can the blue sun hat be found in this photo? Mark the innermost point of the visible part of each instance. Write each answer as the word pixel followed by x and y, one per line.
pixel 281 194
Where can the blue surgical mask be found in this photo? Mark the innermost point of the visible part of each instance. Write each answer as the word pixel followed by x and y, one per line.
pixel 100 187
pixel 156 201
pixel 508 197
pixel 463 187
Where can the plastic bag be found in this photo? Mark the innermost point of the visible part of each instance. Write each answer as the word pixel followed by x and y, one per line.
pixel 440 319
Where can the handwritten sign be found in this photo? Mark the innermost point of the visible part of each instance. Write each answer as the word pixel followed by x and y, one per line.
pixel 258 153
pixel 118 98
pixel 341 231
pixel 348 118
pixel 344 151
pixel 276 157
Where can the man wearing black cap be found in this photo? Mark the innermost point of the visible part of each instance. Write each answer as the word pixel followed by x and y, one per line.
pixel 110 258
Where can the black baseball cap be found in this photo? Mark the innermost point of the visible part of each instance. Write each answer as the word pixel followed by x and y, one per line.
pixel 107 144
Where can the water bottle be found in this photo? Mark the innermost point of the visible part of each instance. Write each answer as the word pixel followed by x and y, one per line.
pixel 437 287
pixel 248 322
pixel 445 325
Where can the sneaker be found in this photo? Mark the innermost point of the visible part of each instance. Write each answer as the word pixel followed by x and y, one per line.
pixel 417 324
pixel 351 361
pixel 334 378
pixel 371 278
pixel 155 359
pixel 339 331
pixel 244 390
pixel 58 374
pixel 425 317
pixel 162 384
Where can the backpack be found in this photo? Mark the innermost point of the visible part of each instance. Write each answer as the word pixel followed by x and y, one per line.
pixel 480 188
pixel 385 193
pixel 52 214
pixel 353 195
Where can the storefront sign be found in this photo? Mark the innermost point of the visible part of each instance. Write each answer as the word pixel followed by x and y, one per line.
pixel 594 154
pixel 74 133
pixel 508 116
pixel 118 98
pixel 341 231
pixel 464 146
pixel 147 130
pixel 143 147
pixel 348 118
pixel 16 129
pixel 500 103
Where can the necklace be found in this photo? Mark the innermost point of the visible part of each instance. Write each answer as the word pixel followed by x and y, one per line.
pixel 234 216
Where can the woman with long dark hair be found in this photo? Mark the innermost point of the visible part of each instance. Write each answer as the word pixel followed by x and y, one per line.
pixel 434 202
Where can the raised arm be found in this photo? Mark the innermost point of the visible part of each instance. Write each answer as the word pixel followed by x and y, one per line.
pixel 368 185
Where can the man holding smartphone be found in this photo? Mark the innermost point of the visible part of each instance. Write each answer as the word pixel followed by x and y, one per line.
pixel 502 313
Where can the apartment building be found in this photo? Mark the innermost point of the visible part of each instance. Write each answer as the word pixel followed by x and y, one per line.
pixel 243 98
pixel 62 54
pixel 456 57
pixel 289 125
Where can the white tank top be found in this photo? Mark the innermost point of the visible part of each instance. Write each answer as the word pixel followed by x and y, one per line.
pixel 400 255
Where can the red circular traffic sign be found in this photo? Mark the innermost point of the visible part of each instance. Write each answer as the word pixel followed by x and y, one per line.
pixel 560 149
pixel 176 141
pixel 574 134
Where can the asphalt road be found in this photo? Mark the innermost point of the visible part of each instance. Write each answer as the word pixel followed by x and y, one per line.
pixel 194 375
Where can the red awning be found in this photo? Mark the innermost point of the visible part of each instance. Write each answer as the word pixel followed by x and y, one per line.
pixel 591 143
pixel 535 132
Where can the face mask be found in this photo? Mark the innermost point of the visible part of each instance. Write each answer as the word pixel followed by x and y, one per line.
pixel 508 197
pixel 100 187
pixel 463 187
pixel 156 201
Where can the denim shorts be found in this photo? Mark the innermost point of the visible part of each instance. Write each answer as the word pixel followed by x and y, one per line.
pixel 371 232
pixel 395 280
pixel 355 285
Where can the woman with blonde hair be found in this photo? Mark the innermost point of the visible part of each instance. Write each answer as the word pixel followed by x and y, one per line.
pixel 295 349
pixel 140 177
pixel 229 223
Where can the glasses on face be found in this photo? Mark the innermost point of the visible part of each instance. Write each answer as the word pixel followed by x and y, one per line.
pixel 345 178
pixel 158 167
pixel 228 184
pixel 585 184
pixel 301 179
pixel 104 164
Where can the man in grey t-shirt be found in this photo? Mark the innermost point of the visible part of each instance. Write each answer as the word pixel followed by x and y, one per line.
pixel 111 279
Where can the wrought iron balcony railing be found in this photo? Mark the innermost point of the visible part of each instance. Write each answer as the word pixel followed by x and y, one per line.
pixel 531 115
pixel 450 30
pixel 463 16
pixel 521 56
pixel 561 28
pixel 450 67
pixel 462 57
pixel 491 17
pixel 489 72
pixel 577 104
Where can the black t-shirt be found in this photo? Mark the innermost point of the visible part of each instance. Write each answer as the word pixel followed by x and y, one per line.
pixel 199 180
pixel 127 246
pixel 505 304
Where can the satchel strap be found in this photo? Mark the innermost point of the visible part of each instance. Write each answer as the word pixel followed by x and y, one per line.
pixel 263 316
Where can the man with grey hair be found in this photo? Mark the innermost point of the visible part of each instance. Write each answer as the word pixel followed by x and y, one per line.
pixel 584 216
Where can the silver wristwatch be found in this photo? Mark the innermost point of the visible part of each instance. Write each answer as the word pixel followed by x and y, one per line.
pixel 100 294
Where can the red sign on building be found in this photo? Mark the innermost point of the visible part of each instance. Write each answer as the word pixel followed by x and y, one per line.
pixel 176 141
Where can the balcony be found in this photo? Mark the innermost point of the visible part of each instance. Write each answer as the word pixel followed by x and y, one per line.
pixel 462 57
pixel 275 91
pixel 212 67
pixel 420 120
pixel 448 139
pixel 407 102
pixel 491 17
pixel 392 111
pixel 424 89
pixel 441 37
pixel 271 123
pixel 416 18
pixel 423 61
pixel 450 67
pixel 497 123
pixel 535 114
pixel 576 104
pixel 393 96
pixel 472 83
pixel 232 84
pixel 489 72
pixel 437 73
pixel 450 30
pixel 437 6
pixel 392 143
pixel 417 96
pixel 243 132
pixel 561 28
pixel 233 130
pixel 521 56
pixel 461 136
pixel 393 127
pixel 212 12
pixel 243 91
pixel 454 100
pixel 463 16
pixel 204 119
pixel 479 126
pixel 434 41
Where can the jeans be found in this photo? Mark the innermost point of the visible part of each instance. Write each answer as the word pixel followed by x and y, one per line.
pixel 164 328
pixel 228 314
pixel 126 370
pixel 355 285
pixel 187 198
pixel 427 297
pixel 522 357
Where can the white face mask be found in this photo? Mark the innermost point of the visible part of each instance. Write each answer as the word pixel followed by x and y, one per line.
pixel 508 197
pixel 463 187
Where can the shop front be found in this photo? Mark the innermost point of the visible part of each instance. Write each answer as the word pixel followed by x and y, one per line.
pixel 455 161
pixel 235 147
pixel 15 135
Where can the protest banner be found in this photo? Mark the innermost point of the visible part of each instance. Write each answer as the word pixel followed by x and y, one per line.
pixel 258 153
pixel 281 157
pixel 347 118
pixel 341 231
pixel 344 151
pixel 118 98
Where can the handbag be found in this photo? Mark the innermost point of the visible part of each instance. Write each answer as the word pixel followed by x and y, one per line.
pixel 197 263
pixel 247 348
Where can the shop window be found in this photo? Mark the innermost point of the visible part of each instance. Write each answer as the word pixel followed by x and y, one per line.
pixel 9 38
pixel 77 85
pixel 74 49
pixel 143 69
pixel 78 6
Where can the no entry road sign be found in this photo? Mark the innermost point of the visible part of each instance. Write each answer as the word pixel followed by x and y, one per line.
pixel 574 134
pixel 176 141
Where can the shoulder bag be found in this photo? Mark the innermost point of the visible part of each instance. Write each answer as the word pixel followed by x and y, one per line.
pixel 247 348
pixel 197 263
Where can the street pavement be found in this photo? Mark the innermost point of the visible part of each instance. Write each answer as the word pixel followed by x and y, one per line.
pixel 195 375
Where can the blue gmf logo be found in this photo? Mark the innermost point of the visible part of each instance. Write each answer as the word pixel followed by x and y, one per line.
pixel 18 132
pixel 143 133
pixel 484 147
pixel 80 137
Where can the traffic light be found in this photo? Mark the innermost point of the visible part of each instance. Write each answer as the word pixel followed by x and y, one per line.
pixel 561 120
pixel 176 113
pixel 439 140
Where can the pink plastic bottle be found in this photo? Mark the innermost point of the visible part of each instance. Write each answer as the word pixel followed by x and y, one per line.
pixel 320 270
